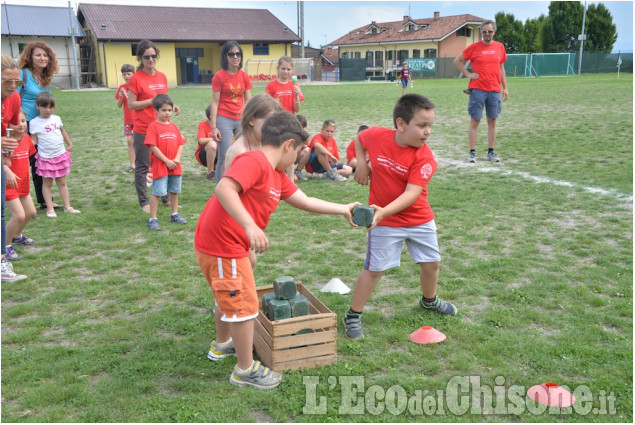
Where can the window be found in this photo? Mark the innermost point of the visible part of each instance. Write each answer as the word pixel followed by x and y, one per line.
pixel 402 55
pixel 430 53
pixel 410 27
pixel 21 47
pixel 416 53
pixel 261 49
pixel 358 55
pixel 344 55
pixel 369 59
pixel 389 55
pixel 379 58
pixel 374 30
pixel 133 48
pixel 464 32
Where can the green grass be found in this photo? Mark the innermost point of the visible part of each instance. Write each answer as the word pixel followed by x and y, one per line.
pixel 114 321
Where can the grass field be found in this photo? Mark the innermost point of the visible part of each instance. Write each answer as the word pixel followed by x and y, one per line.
pixel 114 321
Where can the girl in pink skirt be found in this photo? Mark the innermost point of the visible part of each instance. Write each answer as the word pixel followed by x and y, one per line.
pixel 53 160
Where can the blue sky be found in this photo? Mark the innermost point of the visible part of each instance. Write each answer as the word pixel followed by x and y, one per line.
pixel 325 21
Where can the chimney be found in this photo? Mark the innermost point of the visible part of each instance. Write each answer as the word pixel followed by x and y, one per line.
pixel 436 15
pixel 406 18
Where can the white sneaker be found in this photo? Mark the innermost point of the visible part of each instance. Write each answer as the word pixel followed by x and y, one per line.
pixel 8 275
pixel 334 175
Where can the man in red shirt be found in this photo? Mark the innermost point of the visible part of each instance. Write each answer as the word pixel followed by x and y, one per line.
pixel 488 58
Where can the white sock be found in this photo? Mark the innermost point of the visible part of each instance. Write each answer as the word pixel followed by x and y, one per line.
pixel 246 370
pixel 222 344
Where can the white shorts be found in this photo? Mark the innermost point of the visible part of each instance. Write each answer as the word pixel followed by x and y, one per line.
pixel 385 245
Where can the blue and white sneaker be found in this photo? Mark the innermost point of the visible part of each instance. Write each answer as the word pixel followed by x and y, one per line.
pixel 153 224
pixel 177 218
pixel 22 240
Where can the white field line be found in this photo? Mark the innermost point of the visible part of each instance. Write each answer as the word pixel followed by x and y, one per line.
pixel 537 179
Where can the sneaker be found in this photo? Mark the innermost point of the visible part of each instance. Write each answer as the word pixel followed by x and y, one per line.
pixel 153 224
pixel 491 156
pixel 317 176
pixel 334 175
pixel 177 218
pixel 8 275
pixel 217 351
pixel 472 157
pixel 11 254
pixel 353 324
pixel 211 176
pixel 439 306
pixel 258 376
pixel 22 240
pixel 129 170
pixel 299 175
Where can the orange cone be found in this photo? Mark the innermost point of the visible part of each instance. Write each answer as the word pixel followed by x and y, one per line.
pixel 427 335
pixel 551 394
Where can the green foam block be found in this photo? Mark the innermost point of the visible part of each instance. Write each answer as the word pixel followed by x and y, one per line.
pixel 266 298
pixel 278 309
pixel 285 287
pixel 299 306
pixel 363 215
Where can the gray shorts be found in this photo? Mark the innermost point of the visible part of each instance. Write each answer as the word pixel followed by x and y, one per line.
pixel 491 100
pixel 385 245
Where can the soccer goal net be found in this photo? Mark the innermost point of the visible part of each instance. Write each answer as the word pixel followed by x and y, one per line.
pixel 540 64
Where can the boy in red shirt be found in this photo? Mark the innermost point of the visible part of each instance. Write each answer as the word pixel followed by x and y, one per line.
pixel 351 160
pixel 165 142
pixel 206 149
pixel 325 156
pixel 233 223
pixel 402 165
pixel 121 96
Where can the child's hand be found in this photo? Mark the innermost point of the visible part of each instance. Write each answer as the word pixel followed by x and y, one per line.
pixel 11 179
pixel 348 213
pixel 378 216
pixel 69 146
pixel 362 174
pixel 177 111
pixel 171 164
pixel 257 239
pixel 296 89
pixel 124 93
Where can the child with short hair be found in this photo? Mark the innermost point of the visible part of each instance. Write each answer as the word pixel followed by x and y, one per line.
pixel 206 150
pixel 351 160
pixel 257 109
pixel 325 157
pixel 232 224
pixel 121 96
pixel 165 141
pixel 283 89
pixel 402 165
pixel 52 160
pixel 18 195
pixel 303 158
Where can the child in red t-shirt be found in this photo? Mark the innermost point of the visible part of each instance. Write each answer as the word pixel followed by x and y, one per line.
pixel 18 195
pixel 232 224
pixel 206 150
pixel 325 156
pixel 127 71
pixel 283 89
pixel 351 160
pixel 166 146
pixel 402 165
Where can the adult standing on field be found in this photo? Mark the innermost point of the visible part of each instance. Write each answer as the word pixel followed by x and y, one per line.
pixel 488 65
pixel 38 64
pixel 144 85
pixel 231 89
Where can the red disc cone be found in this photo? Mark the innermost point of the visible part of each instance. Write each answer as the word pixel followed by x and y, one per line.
pixel 427 335
pixel 551 394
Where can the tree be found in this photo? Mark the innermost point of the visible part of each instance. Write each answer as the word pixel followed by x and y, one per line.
pixel 562 27
pixel 509 31
pixel 532 35
pixel 600 29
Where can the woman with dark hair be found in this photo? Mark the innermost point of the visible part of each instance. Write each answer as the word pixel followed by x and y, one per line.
pixel 231 89
pixel 38 65
pixel 144 85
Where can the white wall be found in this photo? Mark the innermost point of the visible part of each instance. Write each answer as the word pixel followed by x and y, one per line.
pixel 65 78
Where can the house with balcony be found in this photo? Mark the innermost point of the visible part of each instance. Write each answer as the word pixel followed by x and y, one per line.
pixel 385 45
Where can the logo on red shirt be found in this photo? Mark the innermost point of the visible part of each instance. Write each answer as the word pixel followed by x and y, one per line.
pixel 426 171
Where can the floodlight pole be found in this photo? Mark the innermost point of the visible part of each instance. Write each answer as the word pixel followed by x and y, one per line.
pixel 301 6
pixel 581 37
pixel 74 46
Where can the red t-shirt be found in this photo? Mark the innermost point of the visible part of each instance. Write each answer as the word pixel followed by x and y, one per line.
pixel 330 145
pixel 394 167
pixel 20 167
pixel 405 74
pixel 350 151
pixel 128 115
pixel 146 87
pixel 284 93
pixel 204 132
pixel 232 89
pixel 11 111
pixel 167 137
pixel 263 187
pixel 486 62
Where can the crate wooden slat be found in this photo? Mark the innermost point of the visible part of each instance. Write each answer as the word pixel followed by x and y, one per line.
pixel 280 349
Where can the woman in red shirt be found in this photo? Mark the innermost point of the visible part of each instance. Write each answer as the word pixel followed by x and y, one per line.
pixel 231 89
pixel 146 83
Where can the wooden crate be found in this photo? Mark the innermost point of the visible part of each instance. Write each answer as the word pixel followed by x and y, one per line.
pixel 278 346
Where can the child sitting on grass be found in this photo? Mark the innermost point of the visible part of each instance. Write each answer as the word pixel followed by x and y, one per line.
pixel 325 156
pixel 351 160
pixel 232 224
pixel 166 146
pixel 206 149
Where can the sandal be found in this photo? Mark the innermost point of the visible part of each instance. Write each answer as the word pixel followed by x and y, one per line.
pixel 51 214
pixel 70 210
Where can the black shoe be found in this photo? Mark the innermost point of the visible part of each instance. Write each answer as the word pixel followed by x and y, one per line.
pixel 42 206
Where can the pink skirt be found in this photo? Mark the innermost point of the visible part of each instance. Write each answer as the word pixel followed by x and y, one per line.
pixel 53 167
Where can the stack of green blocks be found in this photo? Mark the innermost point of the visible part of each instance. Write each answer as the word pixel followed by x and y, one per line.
pixel 284 302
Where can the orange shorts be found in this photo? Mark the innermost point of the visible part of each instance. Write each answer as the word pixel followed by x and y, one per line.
pixel 232 281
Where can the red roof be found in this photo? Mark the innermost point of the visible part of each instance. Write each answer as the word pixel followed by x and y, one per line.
pixel 389 32
pixel 118 22
pixel 331 54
